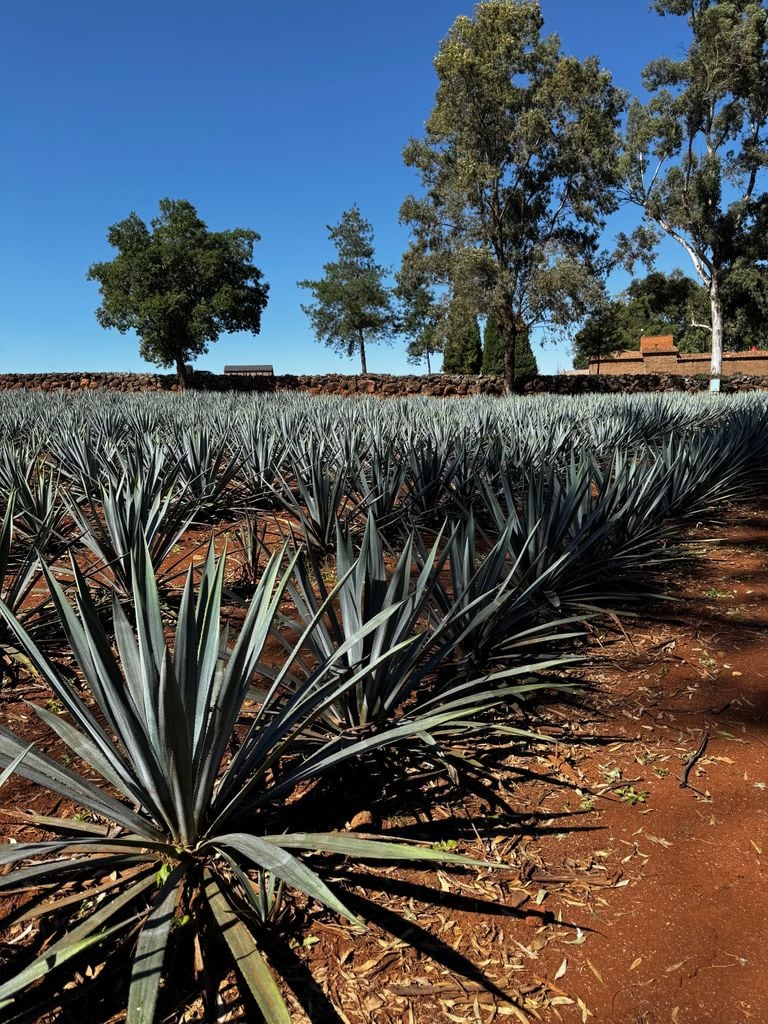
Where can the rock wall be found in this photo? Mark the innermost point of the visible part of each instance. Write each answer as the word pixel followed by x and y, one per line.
pixel 381 385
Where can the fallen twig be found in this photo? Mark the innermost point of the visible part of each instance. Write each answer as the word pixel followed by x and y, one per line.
pixel 697 756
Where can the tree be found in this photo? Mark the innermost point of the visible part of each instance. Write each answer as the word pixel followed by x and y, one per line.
pixel 420 312
pixel 667 304
pixel 179 285
pixel 676 304
pixel 462 351
pixel 603 332
pixel 745 306
pixel 656 304
pixel 353 306
pixel 695 154
pixel 493 352
pixel 518 170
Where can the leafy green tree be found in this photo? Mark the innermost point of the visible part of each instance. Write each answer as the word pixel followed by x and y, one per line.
pixel 493 352
pixel 604 332
pixel 353 306
pixel 420 313
pixel 424 347
pixel 179 285
pixel 656 304
pixel 668 304
pixel 695 154
pixel 518 170
pixel 745 305
pixel 462 352
pixel 676 304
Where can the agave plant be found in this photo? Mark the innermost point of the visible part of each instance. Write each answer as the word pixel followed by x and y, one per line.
pixel 380 479
pixel 491 614
pixel 432 465
pixel 578 538
pixel 180 819
pixel 206 471
pixel 385 610
pixel 418 689
pixel 20 575
pixel 118 517
pixel 319 496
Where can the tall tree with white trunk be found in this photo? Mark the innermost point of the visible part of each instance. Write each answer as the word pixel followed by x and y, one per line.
pixel 696 154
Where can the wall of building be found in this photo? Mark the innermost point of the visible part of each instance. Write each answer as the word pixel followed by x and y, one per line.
pixel 673 362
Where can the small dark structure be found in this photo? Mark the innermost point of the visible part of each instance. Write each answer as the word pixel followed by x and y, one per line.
pixel 257 370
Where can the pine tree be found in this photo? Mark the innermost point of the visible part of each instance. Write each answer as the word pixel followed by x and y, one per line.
pixel 493 349
pixel 463 350
pixel 353 305
pixel 493 352
pixel 525 360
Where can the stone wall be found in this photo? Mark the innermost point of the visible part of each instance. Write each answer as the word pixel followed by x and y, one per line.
pixel 437 384
pixel 383 385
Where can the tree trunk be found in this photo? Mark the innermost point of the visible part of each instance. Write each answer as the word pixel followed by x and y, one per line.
pixel 716 305
pixel 362 354
pixel 181 370
pixel 429 368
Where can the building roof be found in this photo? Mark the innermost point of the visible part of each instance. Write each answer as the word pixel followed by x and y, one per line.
pixel 254 368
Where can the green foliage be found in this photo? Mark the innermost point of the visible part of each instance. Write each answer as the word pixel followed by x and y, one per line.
pixel 630 795
pixel 518 170
pixel 493 348
pixel 695 154
pixel 676 304
pixel 493 352
pixel 462 352
pixel 353 306
pixel 426 345
pixel 179 285
pixel 745 305
pixel 420 312
pixel 656 304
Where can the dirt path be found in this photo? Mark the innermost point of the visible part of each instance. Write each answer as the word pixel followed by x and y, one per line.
pixel 646 902
pixel 687 939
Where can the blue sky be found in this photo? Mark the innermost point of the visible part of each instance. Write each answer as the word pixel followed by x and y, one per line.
pixel 272 116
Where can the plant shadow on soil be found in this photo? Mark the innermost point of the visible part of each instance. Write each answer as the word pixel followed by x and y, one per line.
pixel 688 697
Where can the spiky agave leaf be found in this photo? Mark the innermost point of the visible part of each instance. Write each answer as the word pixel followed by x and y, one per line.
pixel 173 795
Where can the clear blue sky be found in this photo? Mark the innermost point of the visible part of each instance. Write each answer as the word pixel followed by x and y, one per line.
pixel 272 116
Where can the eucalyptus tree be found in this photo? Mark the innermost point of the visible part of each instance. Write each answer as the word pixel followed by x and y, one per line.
pixel 695 156
pixel 353 305
pixel 178 284
pixel 518 170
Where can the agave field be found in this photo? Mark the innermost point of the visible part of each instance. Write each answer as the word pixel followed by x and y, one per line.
pixel 242 613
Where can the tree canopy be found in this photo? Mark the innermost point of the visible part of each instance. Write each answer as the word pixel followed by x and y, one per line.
pixel 695 156
pixel 178 284
pixel 353 306
pixel 518 170
pixel 656 304
pixel 678 305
